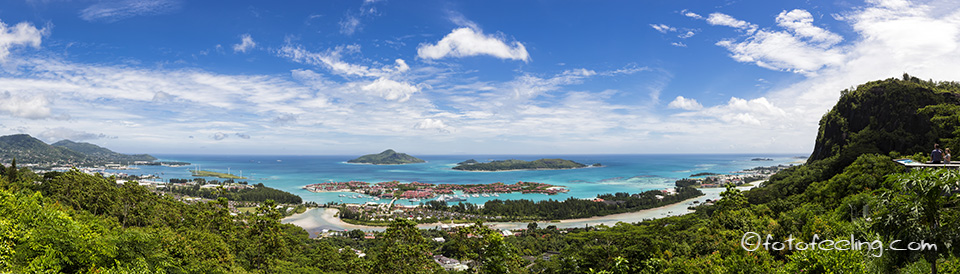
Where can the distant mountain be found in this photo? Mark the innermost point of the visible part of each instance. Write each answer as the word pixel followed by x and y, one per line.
pixel 29 150
pixel 387 157
pixel 98 153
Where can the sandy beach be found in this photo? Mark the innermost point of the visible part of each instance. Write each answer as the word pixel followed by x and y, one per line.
pixel 316 220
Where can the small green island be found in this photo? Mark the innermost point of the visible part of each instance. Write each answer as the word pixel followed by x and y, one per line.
pixel 513 164
pixel 207 173
pixel 387 157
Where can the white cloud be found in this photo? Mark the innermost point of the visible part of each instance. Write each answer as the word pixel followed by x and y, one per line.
pixel 391 90
pixel 758 112
pixel 679 44
pixel 431 124
pixel 465 42
pixel 21 34
pixel 246 44
pixel 685 103
pixel 782 51
pixel 686 35
pixel 30 107
pixel 115 10
pixel 330 59
pixel 691 15
pixel 662 28
pixel 720 19
pixel 349 24
pixel 62 133
pixel 800 22
pixel 402 65
pixel 803 48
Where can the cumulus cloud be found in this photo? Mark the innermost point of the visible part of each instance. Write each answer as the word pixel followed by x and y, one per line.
pixel 116 10
pixel 755 112
pixel 800 22
pixel 246 43
pixel 62 133
pixel 402 65
pixel 685 103
pixel 466 41
pixel 391 90
pixel 429 123
pixel 30 107
pixel 242 135
pixel 21 34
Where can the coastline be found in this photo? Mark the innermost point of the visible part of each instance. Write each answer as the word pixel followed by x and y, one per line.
pixel 528 169
pixel 372 164
pixel 315 220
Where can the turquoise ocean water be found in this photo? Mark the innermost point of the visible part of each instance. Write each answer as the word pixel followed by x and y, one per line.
pixel 620 173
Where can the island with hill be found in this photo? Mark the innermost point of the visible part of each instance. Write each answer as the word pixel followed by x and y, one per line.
pixel 513 164
pixel 387 157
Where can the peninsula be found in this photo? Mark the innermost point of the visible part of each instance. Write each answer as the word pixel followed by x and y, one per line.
pixel 387 157
pixel 513 164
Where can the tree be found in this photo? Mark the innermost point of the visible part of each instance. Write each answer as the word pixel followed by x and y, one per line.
pixel 404 250
pixel 356 234
pixel 915 210
pixel 486 248
pixel 731 199
pixel 12 172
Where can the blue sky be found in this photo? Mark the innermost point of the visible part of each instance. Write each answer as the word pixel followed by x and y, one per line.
pixel 439 77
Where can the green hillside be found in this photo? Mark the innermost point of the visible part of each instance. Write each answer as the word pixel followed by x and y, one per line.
pixel 387 157
pixel 514 164
pixel 27 149
pixel 98 153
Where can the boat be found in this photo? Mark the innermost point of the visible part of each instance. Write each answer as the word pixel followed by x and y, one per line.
pixel 485 195
pixel 414 200
pixel 343 195
pixel 475 196
pixel 496 195
pixel 446 198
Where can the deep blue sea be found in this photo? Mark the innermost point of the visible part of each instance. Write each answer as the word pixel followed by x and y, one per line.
pixel 620 173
